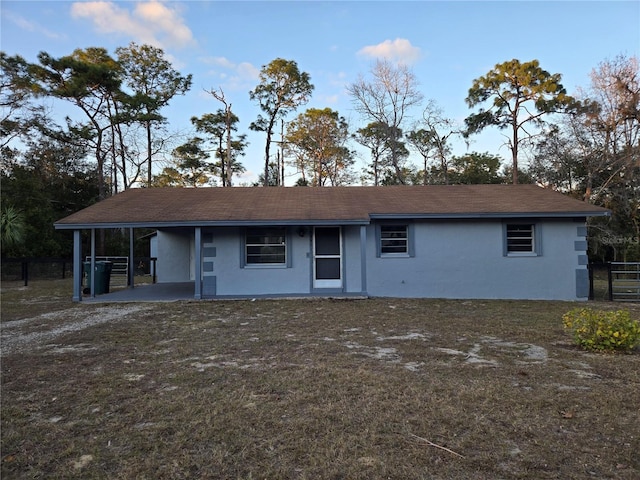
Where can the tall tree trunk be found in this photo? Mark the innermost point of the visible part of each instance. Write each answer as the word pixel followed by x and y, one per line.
pixel 514 151
pixel 266 159
pixel 282 151
pixel 148 125
pixel 229 172
pixel 267 150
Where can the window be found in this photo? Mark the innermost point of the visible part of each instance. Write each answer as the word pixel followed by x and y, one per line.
pixel 394 239
pixel 521 239
pixel 266 246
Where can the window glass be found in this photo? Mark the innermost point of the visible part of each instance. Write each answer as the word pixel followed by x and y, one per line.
pixel 327 268
pixel 265 246
pixel 520 238
pixel 393 239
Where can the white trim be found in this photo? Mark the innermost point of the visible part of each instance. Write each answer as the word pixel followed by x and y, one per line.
pixel 327 283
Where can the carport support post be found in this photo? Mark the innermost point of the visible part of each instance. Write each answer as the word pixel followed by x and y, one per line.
pixel 93 263
pixel 131 271
pixel 77 266
pixel 363 258
pixel 198 264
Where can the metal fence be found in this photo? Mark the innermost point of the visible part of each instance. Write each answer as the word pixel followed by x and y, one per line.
pixel 624 281
pixel 26 269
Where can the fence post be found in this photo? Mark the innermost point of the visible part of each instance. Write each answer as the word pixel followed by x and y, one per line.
pixel 25 272
pixel 590 270
pixel 610 282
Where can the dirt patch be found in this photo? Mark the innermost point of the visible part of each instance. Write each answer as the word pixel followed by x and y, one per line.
pixel 16 337
pixel 312 389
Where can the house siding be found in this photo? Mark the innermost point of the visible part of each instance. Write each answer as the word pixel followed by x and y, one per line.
pixel 449 259
pixel 173 253
pixel 465 259
pixel 233 279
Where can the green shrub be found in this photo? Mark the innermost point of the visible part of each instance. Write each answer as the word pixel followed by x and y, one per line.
pixel 601 330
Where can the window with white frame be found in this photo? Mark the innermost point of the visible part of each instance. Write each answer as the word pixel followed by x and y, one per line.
pixel 266 246
pixel 521 239
pixel 394 239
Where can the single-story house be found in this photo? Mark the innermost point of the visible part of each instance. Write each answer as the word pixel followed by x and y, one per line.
pixel 448 241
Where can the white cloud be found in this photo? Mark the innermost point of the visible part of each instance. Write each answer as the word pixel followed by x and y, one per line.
pixel 222 62
pixel 30 26
pixel 247 70
pixel 331 99
pixel 236 76
pixel 166 20
pixel 151 22
pixel 399 50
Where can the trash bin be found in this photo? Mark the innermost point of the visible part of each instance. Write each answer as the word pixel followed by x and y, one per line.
pixel 103 277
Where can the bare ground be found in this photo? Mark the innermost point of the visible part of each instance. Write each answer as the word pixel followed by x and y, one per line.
pixel 358 389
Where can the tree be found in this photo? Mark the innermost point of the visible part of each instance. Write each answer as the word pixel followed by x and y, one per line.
pixel 17 90
pixel 282 89
pixel 615 127
pixel 154 82
pixel 190 163
pixel 49 181
pixel 612 115
pixel 90 79
pixel 376 138
pixel 219 127
pixel 317 140
pixel 386 100
pixel 522 94
pixel 476 168
pixel 228 161
pixel 594 153
pixel 272 179
pixel 12 227
pixel 169 177
pixel 561 157
pixel 431 141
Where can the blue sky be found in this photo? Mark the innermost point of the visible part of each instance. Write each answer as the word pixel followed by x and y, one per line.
pixel 224 45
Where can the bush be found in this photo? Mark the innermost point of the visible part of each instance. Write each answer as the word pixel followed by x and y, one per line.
pixel 601 330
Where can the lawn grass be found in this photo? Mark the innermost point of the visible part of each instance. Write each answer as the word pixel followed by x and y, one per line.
pixel 309 389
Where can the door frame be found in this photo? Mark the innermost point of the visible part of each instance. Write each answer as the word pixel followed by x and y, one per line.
pixel 327 283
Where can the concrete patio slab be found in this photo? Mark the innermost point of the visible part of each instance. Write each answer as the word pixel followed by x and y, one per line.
pixel 156 292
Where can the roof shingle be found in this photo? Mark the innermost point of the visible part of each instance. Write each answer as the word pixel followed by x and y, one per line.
pixel 210 206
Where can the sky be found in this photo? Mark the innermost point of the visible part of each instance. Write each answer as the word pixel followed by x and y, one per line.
pixel 224 44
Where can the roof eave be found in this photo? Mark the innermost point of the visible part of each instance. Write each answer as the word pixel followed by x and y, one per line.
pixel 488 215
pixel 311 222
pixel 210 223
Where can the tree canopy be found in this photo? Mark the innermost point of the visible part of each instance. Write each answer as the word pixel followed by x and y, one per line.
pixel 282 89
pixel 317 140
pixel 521 95
pixel 113 135
pixel 153 82
pixel 386 100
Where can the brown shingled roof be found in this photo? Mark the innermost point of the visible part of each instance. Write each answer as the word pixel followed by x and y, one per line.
pixel 209 206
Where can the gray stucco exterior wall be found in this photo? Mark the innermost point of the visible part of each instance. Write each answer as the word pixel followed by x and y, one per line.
pixel 173 252
pixel 448 259
pixel 466 259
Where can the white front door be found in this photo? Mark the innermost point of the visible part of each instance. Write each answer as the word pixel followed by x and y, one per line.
pixel 327 257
